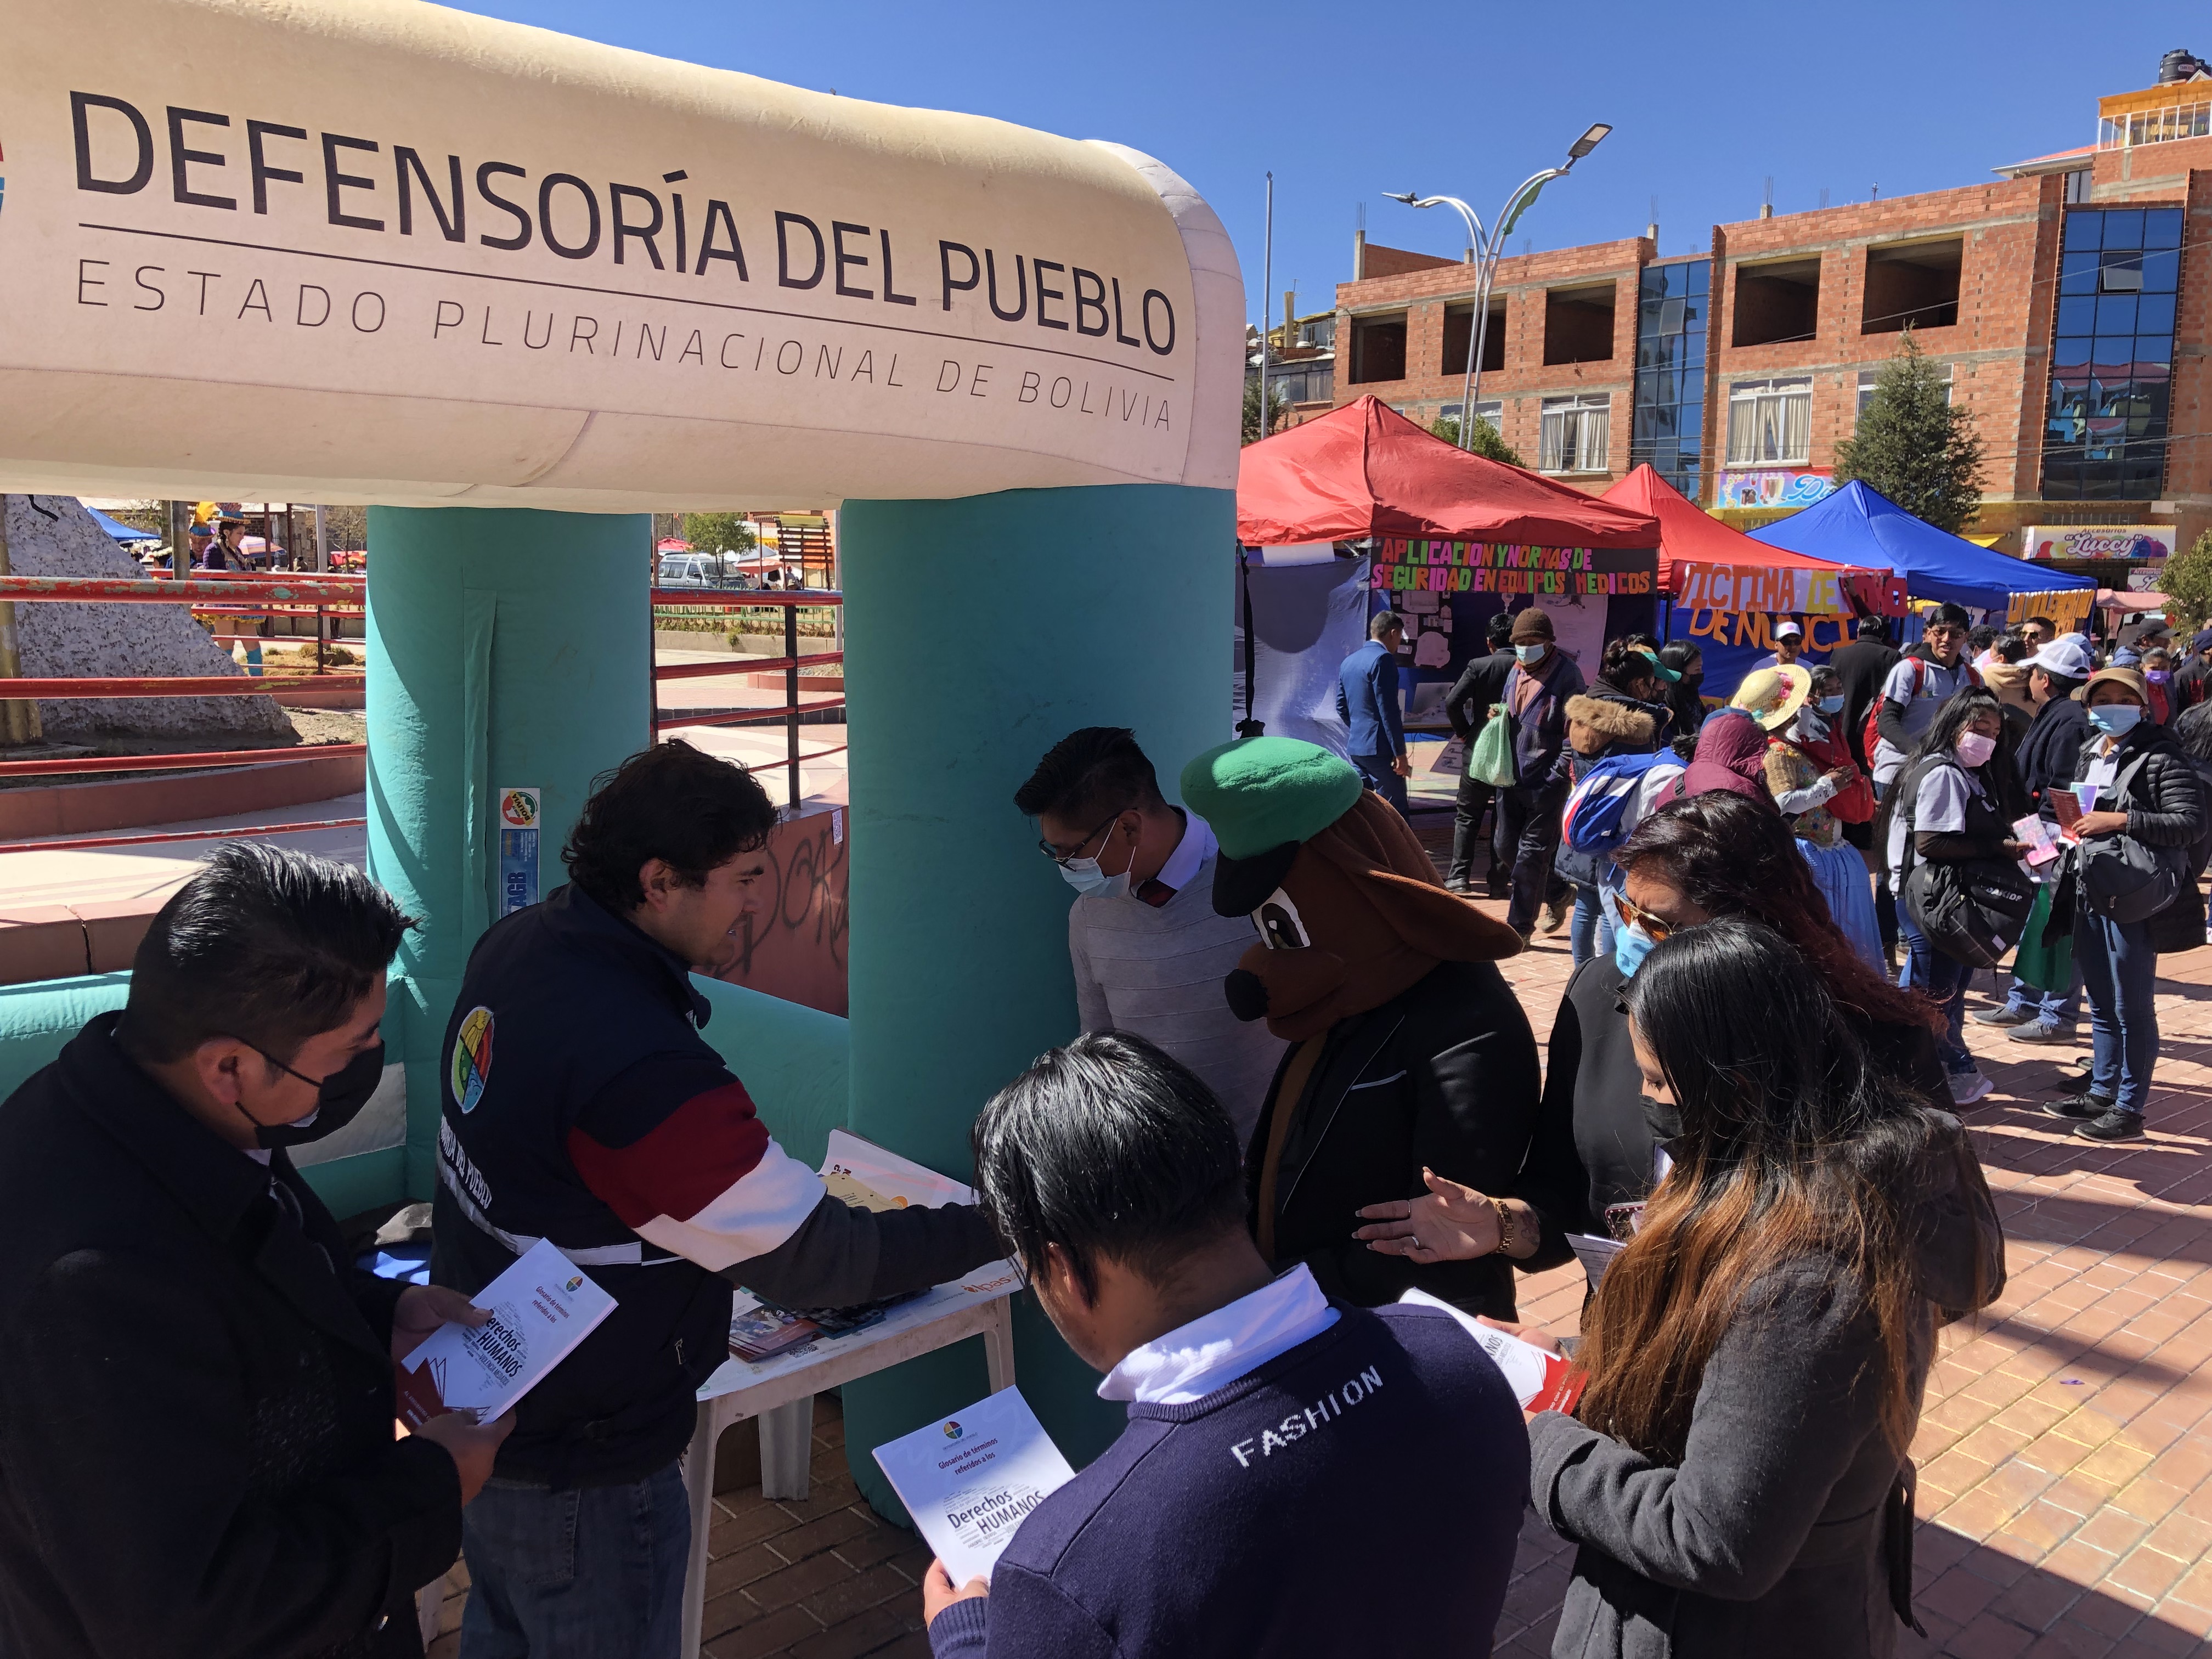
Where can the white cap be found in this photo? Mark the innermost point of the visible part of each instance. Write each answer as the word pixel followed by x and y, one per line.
pixel 1786 629
pixel 2064 657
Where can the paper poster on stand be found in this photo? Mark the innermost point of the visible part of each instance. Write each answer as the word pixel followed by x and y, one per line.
pixel 518 850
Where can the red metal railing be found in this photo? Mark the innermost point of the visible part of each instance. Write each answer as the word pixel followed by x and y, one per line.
pixel 789 600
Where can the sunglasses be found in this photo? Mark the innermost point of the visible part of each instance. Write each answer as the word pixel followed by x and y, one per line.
pixel 1658 926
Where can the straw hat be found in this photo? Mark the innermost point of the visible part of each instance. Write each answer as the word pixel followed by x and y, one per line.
pixel 1772 696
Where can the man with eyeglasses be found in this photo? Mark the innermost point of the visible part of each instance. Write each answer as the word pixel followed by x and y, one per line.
pixel 1920 683
pixel 1149 952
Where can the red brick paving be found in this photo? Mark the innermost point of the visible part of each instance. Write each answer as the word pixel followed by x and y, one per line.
pixel 2065 1451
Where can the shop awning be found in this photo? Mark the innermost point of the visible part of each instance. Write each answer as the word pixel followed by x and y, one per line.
pixel 1365 469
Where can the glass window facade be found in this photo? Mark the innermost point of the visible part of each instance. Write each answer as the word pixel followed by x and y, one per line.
pixel 2111 355
pixel 1668 431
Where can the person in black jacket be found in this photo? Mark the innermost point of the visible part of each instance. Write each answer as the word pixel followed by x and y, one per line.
pixel 581 1105
pixel 2045 1001
pixel 1863 666
pixel 197 1458
pixel 1409 1051
pixel 1592 1157
pixel 1479 687
pixel 2148 793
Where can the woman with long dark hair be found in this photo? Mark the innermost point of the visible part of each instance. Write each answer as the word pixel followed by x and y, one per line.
pixel 1688 664
pixel 1594 1159
pixel 1954 802
pixel 1735 1472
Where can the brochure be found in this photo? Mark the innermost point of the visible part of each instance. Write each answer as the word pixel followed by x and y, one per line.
pixel 1594 1253
pixel 541 1308
pixel 1540 1379
pixel 968 1480
pixel 2044 841
pixel 860 1172
pixel 2066 804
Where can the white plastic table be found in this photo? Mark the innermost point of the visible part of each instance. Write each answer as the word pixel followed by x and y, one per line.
pixel 779 1392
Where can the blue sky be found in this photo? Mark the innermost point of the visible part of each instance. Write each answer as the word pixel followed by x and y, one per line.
pixel 1344 102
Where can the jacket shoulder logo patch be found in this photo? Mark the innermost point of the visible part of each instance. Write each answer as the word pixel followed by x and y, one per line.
pixel 472 1061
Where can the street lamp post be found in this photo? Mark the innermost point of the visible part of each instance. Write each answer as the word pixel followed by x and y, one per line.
pixel 1487 250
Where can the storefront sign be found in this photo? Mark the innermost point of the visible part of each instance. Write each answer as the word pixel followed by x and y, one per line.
pixel 1429 565
pixel 1773 487
pixel 2152 541
pixel 1788 590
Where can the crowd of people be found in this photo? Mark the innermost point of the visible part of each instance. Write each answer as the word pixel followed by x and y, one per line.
pixel 1295 1089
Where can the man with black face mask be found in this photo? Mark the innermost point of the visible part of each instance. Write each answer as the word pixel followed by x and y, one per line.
pixel 196 1383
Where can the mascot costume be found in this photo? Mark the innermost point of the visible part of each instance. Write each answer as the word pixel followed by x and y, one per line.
pixel 1408 1049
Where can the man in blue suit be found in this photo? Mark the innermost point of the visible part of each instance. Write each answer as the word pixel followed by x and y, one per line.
pixel 1367 700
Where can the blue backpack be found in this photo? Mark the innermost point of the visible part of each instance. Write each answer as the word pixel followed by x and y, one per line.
pixel 1610 801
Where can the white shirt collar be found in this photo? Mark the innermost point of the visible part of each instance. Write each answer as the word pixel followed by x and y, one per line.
pixel 1193 850
pixel 1215 1349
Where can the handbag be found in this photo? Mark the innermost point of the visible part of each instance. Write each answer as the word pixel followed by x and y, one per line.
pixel 2124 878
pixel 1973 910
pixel 1490 756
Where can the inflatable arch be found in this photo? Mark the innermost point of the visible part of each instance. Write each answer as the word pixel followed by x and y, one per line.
pixel 514 290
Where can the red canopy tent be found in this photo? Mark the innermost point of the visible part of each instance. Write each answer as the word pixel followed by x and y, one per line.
pixel 1692 543
pixel 1365 469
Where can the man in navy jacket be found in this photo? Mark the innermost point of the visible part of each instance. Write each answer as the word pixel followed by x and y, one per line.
pixel 1367 701
pixel 1262 1415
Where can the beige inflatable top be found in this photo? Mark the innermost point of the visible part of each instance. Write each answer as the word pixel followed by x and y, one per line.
pixel 376 251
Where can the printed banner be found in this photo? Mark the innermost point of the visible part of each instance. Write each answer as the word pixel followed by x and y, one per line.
pixel 1434 566
pixel 1771 486
pixel 1733 643
pixel 2066 606
pixel 2149 542
pixel 1787 589
pixel 518 850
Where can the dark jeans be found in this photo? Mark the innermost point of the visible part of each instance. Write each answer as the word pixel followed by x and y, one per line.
pixel 1475 799
pixel 1383 778
pixel 594 1572
pixel 1528 822
pixel 1944 978
pixel 2120 971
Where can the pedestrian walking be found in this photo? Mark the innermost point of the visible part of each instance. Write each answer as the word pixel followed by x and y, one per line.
pixel 1536 695
pixel 1479 688
pixel 1367 703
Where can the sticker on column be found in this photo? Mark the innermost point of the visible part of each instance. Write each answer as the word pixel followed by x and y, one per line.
pixel 518 850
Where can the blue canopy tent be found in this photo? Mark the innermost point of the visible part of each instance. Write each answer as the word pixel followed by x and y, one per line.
pixel 119 531
pixel 1861 526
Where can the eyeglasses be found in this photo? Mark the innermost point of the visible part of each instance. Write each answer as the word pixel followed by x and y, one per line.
pixel 1064 859
pixel 1658 926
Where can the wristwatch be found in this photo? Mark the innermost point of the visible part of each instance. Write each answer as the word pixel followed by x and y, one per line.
pixel 1506 1222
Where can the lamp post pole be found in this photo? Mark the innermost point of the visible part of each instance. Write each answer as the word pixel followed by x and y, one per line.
pixel 1488 249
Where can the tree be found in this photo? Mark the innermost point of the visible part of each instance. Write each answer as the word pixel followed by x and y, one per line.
pixel 1278 407
pixel 718 532
pixel 2187 580
pixel 1914 445
pixel 1487 444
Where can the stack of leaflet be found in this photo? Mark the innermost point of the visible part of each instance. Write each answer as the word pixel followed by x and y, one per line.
pixel 762 1330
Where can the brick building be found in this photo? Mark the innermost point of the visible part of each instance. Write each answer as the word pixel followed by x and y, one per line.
pixel 2067 302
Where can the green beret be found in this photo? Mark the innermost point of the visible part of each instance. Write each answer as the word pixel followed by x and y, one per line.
pixel 1259 793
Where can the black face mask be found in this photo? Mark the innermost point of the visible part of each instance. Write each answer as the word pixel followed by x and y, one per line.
pixel 1665 1125
pixel 339 1098
pixel 1691 681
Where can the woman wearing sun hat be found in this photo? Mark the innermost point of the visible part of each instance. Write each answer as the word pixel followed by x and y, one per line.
pixel 1808 770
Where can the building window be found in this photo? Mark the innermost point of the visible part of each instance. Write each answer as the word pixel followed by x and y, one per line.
pixel 1914 286
pixel 1378 348
pixel 1868 376
pixel 1491 410
pixel 1771 422
pixel 2111 355
pixel 1317 332
pixel 2077 186
pixel 2154 127
pixel 1669 419
pixel 1459 324
pixel 1578 326
pixel 1777 302
pixel 1575 430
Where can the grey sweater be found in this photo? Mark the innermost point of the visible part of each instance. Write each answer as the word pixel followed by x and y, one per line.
pixel 1156 973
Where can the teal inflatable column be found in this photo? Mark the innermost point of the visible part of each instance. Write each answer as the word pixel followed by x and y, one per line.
pixel 978 633
pixel 506 648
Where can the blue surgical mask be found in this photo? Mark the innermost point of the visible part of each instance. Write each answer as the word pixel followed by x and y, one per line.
pixel 1831 705
pixel 2115 718
pixel 1084 876
pixel 1631 945
pixel 1530 653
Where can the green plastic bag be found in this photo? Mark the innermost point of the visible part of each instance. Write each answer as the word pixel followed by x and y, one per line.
pixel 1490 756
pixel 2043 963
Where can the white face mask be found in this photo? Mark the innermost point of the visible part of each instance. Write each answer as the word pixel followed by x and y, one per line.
pixel 1084 876
pixel 1531 653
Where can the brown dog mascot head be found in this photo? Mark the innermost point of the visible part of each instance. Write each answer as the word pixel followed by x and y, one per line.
pixel 1346 906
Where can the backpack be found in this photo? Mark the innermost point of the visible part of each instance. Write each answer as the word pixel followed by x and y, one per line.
pixel 1973 910
pixel 1870 733
pixel 1614 797
pixel 2127 880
